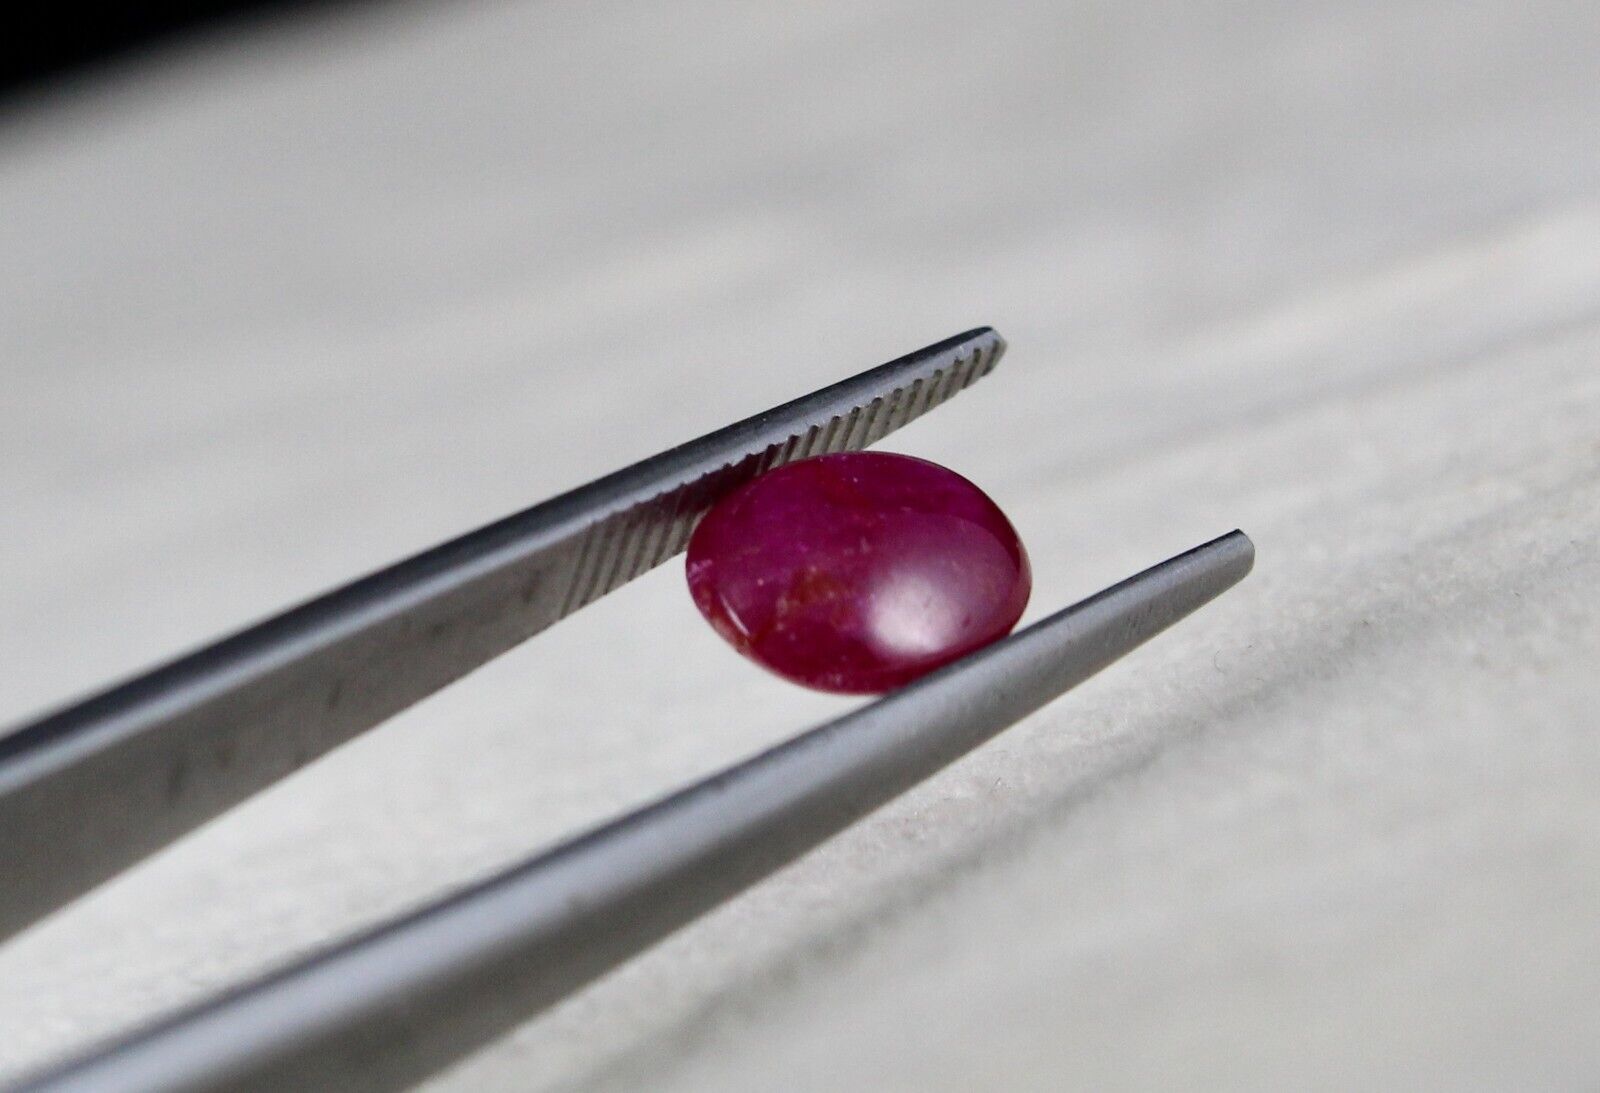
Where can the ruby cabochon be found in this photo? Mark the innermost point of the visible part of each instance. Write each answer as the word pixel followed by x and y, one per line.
pixel 858 572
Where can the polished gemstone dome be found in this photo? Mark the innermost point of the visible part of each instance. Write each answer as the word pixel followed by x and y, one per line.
pixel 858 572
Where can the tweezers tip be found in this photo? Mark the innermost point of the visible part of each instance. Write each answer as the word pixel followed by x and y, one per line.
pixel 1231 554
pixel 1243 546
pixel 989 332
pixel 1229 557
pixel 997 342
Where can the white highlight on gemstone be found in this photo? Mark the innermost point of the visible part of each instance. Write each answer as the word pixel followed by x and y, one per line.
pixel 910 616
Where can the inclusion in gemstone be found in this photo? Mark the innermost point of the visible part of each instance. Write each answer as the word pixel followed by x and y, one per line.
pixel 858 572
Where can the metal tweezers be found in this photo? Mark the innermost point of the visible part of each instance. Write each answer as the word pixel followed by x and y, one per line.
pixel 89 790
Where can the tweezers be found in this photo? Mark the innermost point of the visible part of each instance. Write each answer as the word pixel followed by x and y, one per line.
pixel 91 789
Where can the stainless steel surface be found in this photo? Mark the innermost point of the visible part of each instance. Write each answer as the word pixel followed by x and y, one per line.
pixel 386 1009
pixel 88 790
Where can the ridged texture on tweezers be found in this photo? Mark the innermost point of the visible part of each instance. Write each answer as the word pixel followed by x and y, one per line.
pixel 634 540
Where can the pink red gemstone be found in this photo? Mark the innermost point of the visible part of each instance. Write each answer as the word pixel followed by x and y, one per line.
pixel 858 572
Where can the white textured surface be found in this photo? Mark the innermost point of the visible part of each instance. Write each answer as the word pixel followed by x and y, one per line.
pixel 280 307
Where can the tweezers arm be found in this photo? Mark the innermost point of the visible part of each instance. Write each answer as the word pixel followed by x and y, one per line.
pixel 89 790
pixel 385 1010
